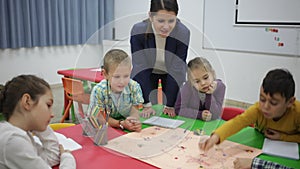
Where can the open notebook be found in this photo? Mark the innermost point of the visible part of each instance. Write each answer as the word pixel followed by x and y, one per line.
pixel 163 122
pixel 281 148
pixel 68 143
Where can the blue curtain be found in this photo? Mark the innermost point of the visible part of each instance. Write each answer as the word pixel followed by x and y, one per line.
pixel 29 23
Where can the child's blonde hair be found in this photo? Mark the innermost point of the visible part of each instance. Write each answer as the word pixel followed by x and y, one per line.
pixel 198 63
pixel 115 57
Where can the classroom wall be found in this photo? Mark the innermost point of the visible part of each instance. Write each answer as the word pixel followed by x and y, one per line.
pixel 242 72
pixel 45 61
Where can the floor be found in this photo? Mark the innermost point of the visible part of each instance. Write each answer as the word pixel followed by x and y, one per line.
pixel 58 95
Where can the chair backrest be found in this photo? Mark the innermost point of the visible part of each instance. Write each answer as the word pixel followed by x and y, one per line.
pixel 75 91
pixel 231 112
pixel 72 86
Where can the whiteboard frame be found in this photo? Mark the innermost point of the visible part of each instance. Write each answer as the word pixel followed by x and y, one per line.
pixel 247 20
pixel 221 33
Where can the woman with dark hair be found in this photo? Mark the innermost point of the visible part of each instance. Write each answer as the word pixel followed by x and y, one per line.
pixel 159 47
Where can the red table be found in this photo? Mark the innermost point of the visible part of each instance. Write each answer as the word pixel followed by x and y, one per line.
pixel 94 157
pixel 90 74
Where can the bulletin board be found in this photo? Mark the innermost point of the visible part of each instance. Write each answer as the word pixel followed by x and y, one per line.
pixel 223 30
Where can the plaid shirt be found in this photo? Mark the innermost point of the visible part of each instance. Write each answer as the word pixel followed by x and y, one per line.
pixel 263 164
pixel 102 97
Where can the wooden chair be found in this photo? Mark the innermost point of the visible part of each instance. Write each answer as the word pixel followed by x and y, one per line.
pixel 57 126
pixel 74 91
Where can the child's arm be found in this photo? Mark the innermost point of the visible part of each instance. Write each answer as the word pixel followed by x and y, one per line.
pixel 67 161
pixel 134 119
pixel 210 142
pixel 187 104
pixel 49 150
pixel 134 112
pixel 276 135
pixel 52 152
pixel 291 137
pixel 22 152
pixel 206 115
pixel 131 123
pixel 214 101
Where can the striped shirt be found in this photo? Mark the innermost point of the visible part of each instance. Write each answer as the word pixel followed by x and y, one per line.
pixel 259 164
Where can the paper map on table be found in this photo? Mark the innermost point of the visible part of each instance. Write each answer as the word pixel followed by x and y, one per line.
pixel 175 148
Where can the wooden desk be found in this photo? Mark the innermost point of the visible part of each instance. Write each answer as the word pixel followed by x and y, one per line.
pixel 94 157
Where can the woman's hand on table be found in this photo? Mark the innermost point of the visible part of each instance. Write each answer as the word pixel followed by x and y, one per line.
pixel 147 112
pixel 170 111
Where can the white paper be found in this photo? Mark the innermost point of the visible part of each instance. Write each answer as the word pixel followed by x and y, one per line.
pixel 68 143
pixel 163 122
pixel 281 148
pixel 96 70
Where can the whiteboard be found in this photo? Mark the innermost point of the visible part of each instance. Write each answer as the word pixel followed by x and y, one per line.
pixel 277 12
pixel 221 32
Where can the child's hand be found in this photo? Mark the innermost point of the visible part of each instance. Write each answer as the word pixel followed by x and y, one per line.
pixel 147 112
pixel 62 150
pixel 209 143
pixel 212 87
pixel 272 134
pixel 206 115
pixel 242 163
pixel 101 119
pixel 132 124
pixel 170 111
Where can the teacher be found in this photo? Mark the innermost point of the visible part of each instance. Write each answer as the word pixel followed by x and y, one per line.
pixel 159 47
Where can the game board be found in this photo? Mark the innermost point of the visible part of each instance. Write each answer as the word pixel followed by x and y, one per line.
pixel 178 148
pixel 152 141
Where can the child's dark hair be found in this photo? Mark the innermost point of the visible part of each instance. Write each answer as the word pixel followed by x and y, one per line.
pixel 168 5
pixel 14 89
pixel 279 81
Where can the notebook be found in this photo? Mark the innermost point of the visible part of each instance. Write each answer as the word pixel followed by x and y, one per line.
pixel 281 148
pixel 163 122
pixel 68 143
